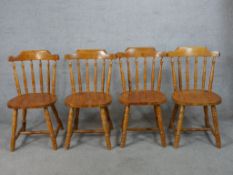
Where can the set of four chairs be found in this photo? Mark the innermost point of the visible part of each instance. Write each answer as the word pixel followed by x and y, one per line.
pixel 141 77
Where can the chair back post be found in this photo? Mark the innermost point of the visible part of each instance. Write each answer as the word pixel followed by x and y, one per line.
pixel 85 56
pixel 31 56
pixel 196 54
pixel 137 53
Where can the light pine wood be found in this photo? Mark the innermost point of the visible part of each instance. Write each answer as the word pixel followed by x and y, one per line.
pixel 14 129
pixel 159 120
pixel 88 99
pixel 195 72
pixel 207 123
pixel 173 74
pixel 160 75
pixel 54 78
pixel 24 119
pixel 173 118
pixel 72 78
pixel 50 128
pixel 179 127
pixel 109 119
pixel 89 131
pixel 196 96
pixel 153 73
pixel 109 77
pixel 69 129
pixel 125 126
pixel 87 77
pixel 24 78
pixel 145 74
pixel 32 100
pixel 95 75
pixel 187 73
pixel 129 75
pixel 141 95
pixel 48 76
pixel 16 79
pixel 204 73
pixel 30 55
pixel 76 120
pixel 136 74
pixel 98 97
pixel 143 129
pixel 103 75
pixel 41 77
pixel 180 73
pixel 119 55
pixel 216 126
pixel 33 77
pixel 106 127
pixel 54 109
pixel 212 74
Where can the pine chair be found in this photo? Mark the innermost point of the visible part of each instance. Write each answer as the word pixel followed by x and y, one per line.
pixel 43 98
pixel 91 96
pixel 192 94
pixel 141 95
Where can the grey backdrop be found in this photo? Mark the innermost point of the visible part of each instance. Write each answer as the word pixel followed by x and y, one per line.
pixel 63 26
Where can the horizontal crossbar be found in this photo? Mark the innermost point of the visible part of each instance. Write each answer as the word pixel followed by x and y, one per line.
pixel 34 132
pixel 100 130
pixel 46 132
pixel 143 129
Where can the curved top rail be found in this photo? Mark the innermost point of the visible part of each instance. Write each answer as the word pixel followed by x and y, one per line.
pixel 193 52
pixel 27 55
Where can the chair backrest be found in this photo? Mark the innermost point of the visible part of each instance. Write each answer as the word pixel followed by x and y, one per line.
pixel 131 58
pixel 189 57
pixel 88 59
pixel 28 58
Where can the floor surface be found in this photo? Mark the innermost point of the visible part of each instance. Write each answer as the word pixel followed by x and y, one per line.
pixel 142 155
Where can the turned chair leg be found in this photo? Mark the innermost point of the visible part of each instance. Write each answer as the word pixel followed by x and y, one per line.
pixel 216 126
pixel 159 122
pixel 50 128
pixel 172 120
pixel 125 126
pixel 69 129
pixel 24 120
pixel 76 119
pixel 179 127
pixel 207 123
pixel 57 117
pixel 106 127
pixel 109 118
pixel 14 129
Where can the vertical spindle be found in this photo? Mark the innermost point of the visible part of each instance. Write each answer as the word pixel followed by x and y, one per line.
pixel 187 72
pixel 72 82
pixel 195 72
pixel 33 77
pixel 145 73
pixel 24 77
pixel 16 78
pixel 41 76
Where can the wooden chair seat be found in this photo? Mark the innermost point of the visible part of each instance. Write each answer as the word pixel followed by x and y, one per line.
pixel 32 100
pixel 142 97
pixel 88 99
pixel 196 97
